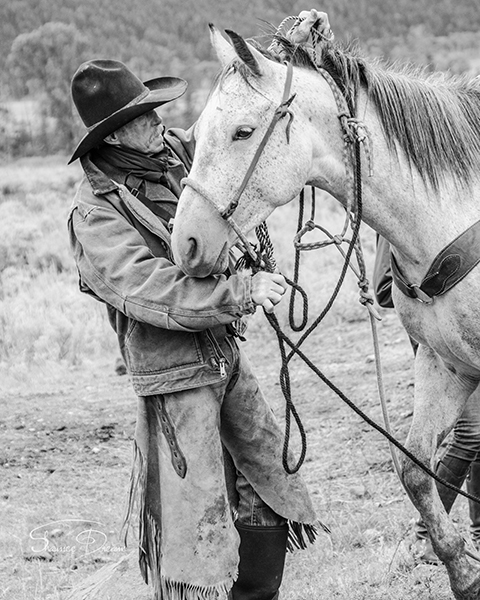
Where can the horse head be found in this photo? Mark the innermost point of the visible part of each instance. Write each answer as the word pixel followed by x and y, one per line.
pixel 240 109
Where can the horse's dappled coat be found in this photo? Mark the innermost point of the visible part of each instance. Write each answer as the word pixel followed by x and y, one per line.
pixel 424 192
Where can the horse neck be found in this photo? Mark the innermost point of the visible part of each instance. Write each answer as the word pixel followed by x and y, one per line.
pixel 396 202
pixel 333 163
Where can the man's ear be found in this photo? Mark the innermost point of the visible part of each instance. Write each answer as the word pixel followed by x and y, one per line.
pixel 112 139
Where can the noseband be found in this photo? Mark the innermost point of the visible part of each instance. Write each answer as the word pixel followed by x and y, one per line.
pixel 281 111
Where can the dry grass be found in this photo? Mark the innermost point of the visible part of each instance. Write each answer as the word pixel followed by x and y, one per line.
pixel 66 419
pixel 45 324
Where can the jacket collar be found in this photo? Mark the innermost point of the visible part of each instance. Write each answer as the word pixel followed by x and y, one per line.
pixel 103 185
pixel 100 182
pixel 105 178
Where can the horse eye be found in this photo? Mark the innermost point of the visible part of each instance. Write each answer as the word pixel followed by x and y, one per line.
pixel 243 133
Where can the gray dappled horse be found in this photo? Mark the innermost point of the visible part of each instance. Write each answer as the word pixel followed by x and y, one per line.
pixel 424 133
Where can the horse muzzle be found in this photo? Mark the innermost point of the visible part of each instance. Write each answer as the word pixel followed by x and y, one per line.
pixel 200 246
pixel 188 255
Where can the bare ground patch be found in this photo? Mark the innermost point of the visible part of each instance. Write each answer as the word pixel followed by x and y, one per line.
pixel 66 455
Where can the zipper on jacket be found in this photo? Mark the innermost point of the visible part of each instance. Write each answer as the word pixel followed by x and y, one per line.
pixel 222 367
pixel 220 360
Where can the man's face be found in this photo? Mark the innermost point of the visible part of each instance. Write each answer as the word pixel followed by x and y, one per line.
pixel 145 133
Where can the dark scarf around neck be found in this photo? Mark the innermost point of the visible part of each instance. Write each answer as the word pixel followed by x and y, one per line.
pixel 133 162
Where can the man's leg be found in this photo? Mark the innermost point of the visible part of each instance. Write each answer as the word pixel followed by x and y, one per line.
pixel 473 487
pixel 263 545
pixel 455 460
pixel 188 541
pixel 454 470
pixel 253 438
pixel 264 490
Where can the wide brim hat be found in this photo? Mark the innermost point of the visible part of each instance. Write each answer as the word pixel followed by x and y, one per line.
pixel 108 95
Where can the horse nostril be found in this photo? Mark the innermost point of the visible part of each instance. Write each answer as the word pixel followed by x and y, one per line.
pixel 192 248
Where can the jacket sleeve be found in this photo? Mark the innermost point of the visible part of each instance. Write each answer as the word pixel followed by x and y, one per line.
pixel 382 274
pixel 182 142
pixel 115 263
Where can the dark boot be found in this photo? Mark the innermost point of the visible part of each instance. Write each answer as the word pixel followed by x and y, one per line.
pixel 473 487
pixel 262 558
pixel 454 470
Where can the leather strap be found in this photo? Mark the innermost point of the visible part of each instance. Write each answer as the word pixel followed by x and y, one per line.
pixel 179 462
pixel 449 267
pixel 281 111
pixel 158 210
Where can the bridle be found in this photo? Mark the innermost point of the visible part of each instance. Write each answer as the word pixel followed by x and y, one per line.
pixel 227 213
pixel 352 131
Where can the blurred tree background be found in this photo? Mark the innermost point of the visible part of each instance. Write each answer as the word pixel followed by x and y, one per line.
pixel 42 42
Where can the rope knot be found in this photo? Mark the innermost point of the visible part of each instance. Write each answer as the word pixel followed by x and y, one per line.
pixel 284 110
pixel 363 283
pixel 338 239
pixel 248 261
pixel 348 134
pixel 350 127
pixel 355 130
pixel 365 297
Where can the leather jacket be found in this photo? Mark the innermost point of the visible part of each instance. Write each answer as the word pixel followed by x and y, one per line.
pixel 168 324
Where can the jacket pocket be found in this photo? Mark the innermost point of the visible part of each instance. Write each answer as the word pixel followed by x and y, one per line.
pixel 161 361
pixel 154 350
pixel 217 358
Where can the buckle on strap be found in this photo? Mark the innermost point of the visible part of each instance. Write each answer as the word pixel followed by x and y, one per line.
pixel 420 295
pixel 409 289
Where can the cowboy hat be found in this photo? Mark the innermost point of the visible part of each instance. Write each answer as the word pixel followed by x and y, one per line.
pixel 108 95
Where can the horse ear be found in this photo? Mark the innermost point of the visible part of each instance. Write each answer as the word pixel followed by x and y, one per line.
pixel 223 49
pixel 249 55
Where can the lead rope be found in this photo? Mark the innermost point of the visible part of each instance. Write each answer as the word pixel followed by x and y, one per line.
pixel 268 263
pixel 365 299
pixel 355 133
pixel 296 268
pixel 284 341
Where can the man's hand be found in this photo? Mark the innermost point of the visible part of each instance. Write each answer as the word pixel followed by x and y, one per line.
pixel 313 19
pixel 268 289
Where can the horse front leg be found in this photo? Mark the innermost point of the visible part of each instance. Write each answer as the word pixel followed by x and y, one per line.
pixel 440 397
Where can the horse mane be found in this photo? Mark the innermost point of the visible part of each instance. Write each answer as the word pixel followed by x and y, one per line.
pixel 433 117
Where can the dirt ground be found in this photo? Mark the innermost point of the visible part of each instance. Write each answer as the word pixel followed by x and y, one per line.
pixel 66 454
